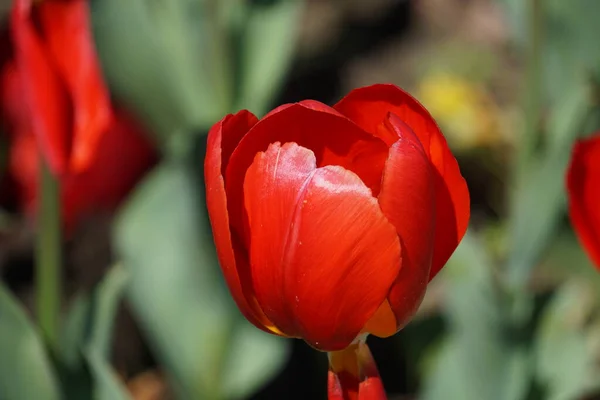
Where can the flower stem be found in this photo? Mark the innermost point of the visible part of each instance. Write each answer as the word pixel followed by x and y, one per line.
pixel 533 85
pixel 353 374
pixel 48 256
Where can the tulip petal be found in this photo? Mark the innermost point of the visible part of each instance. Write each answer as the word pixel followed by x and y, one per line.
pixel 23 159
pixel 334 140
pixel 67 30
pixel 407 199
pixel 368 108
pixel 323 255
pixel 222 139
pixel 44 93
pixel 123 156
pixel 13 109
pixel 584 195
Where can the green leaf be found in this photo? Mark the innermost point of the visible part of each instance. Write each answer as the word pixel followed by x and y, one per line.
pixel 90 320
pixel 476 361
pixel 253 358
pixel 156 58
pixel 570 32
pixel 105 302
pixel 571 44
pixel 539 201
pixel 87 336
pixel 470 374
pixel 267 49
pixel 74 332
pixel 25 369
pixel 107 385
pixel 565 360
pixel 161 237
pixel 164 240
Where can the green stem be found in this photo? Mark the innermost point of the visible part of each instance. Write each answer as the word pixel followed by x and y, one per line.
pixel 519 267
pixel 48 256
pixel 219 54
pixel 533 85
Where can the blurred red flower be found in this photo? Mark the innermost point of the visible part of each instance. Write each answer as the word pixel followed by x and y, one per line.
pixel 56 105
pixel 583 178
pixel 330 222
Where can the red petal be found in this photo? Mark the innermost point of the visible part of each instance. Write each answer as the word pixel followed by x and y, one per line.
pixel 23 167
pixel 66 26
pixel 368 107
pixel 334 140
pixel 123 156
pixel 12 102
pixel 44 93
pixel 407 199
pixel 584 195
pixel 222 139
pixel 323 256
pixel 23 149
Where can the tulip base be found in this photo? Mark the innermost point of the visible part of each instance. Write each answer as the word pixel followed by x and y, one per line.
pixel 353 375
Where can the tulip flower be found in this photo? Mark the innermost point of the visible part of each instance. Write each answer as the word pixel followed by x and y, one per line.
pixel 329 222
pixel 61 81
pixel 584 195
pixel 56 107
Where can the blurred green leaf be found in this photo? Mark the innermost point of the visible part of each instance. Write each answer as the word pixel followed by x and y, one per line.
pixel 567 117
pixel 157 57
pixel 565 361
pixel 86 339
pixel 566 259
pixel 572 50
pixel 570 36
pixel 253 358
pixel 105 303
pixel 160 237
pixel 476 361
pixel 107 385
pixel 163 236
pixel 539 200
pixel 268 40
pixel 90 320
pixel 460 374
pixel 25 369
pixel 74 333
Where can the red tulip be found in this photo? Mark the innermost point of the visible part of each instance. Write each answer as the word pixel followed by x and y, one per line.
pixel 584 195
pixel 121 157
pixel 55 105
pixel 330 222
pixel 62 86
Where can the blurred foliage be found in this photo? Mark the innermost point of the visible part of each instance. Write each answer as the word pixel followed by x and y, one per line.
pixel 26 368
pixel 477 359
pixel 183 64
pixel 503 342
pixel 163 237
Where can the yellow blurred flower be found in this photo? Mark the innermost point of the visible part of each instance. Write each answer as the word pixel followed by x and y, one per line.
pixel 464 110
